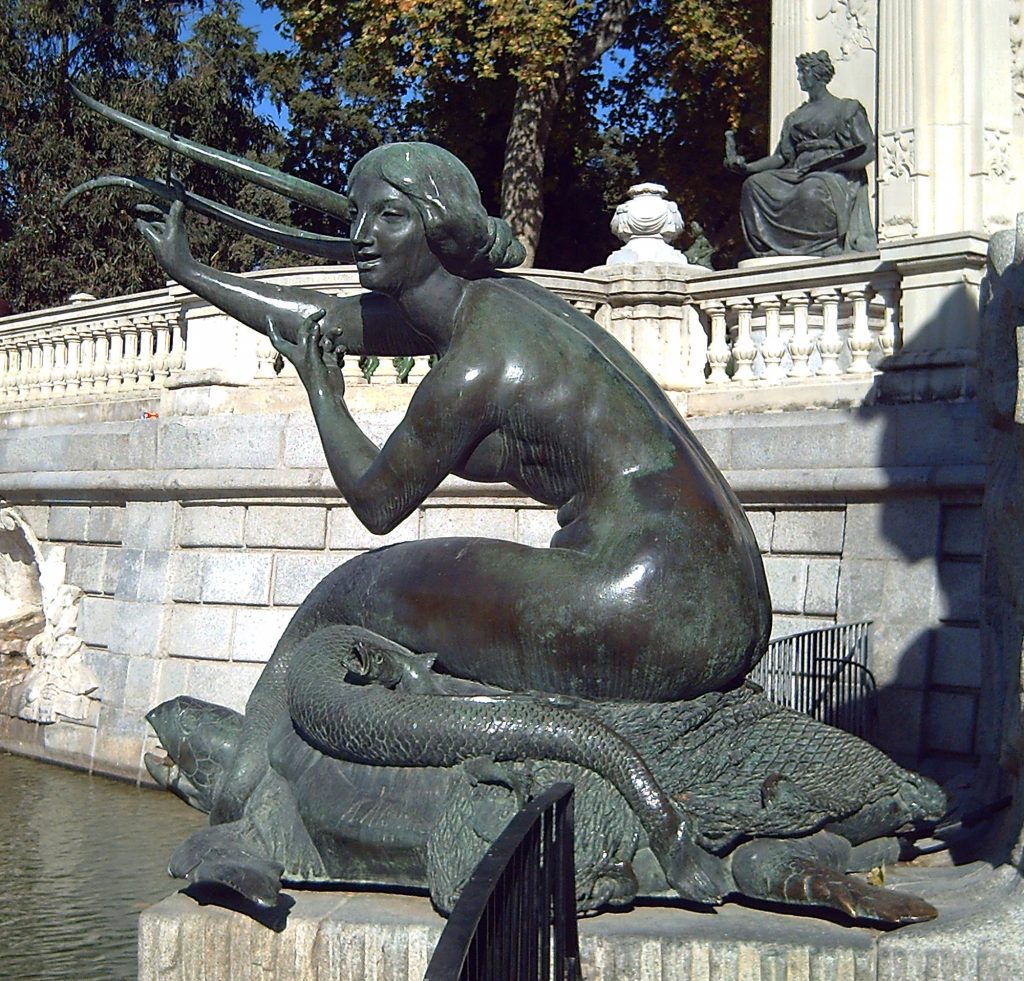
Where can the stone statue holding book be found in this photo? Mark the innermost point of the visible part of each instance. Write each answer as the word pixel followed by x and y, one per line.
pixel 810 197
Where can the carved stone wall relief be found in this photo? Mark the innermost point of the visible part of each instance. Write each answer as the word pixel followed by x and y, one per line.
pixel 21 603
pixel 1017 52
pixel 854 23
pixel 897 156
pixel 997 153
pixel 41 618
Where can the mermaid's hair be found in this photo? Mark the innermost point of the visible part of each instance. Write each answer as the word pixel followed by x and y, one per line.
pixel 459 231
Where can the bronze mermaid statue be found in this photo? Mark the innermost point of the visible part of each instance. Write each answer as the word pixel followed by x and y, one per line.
pixel 615 653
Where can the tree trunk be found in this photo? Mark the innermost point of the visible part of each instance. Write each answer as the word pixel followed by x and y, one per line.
pixel 522 174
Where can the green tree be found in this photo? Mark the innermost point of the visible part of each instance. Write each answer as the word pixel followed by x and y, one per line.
pixel 542 94
pixel 542 48
pixel 130 54
pixel 696 68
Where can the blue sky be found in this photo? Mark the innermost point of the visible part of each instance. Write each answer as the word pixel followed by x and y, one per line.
pixel 264 21
pixel 265 24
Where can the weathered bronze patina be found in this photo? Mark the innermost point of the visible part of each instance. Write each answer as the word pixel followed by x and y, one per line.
pixel 810 197
pixel 423 690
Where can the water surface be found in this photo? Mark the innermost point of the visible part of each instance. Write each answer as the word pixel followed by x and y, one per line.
pixel 80 857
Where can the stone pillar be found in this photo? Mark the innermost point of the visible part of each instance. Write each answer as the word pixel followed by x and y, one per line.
pixel 945 117
pixel 221 355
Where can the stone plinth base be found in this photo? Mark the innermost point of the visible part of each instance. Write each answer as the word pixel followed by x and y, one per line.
pixel 341 936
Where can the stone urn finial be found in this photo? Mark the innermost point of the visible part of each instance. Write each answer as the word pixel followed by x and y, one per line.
pixel 646 223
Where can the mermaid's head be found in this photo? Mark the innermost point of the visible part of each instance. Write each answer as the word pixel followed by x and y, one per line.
pixel 459 231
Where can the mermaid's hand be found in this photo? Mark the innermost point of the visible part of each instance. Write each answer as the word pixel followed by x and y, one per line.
pixel 164 231
pixel 317 361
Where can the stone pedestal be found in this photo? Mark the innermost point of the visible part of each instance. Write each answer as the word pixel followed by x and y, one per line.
pixel 341 936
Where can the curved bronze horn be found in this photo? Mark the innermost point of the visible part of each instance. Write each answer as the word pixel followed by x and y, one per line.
pixel 309 243
pixel 304 192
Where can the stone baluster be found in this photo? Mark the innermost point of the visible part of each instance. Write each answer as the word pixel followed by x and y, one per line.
pixel 59 374
pixel 113 349
pixel 830 344
pixel 6 375
pixel 161 348
pixel 35 369
pixel 130 354
pixel 90 358
pixel 44 379
pixel 801 344
pixel 743 349
pixel 177 357
pixel 12 372
pixel 861 342
pixel 772 350
pixel 76 361
pixel 718 348
pixel 97 353
pixel 146 356
pixel 22 355
pixel 890 319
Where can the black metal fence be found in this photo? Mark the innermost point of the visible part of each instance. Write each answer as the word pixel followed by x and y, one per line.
pixel 516 917
pixel 825 674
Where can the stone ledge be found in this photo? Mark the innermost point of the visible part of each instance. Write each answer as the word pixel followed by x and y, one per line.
pixel 314 484
pixel 341 936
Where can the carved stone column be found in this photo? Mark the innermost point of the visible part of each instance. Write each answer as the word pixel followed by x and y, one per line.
pixel 945 117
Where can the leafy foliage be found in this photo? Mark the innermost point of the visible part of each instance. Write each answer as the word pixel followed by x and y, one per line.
pixel 557 106
pixel 598 92
pixel 126 53
pixel 698 67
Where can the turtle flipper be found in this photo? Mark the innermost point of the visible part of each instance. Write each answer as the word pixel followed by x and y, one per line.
pixel 694 873
pixel 860 900
pixel 223 855
pixel 809 872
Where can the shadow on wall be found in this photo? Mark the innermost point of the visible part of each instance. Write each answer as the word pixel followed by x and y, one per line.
pixel 916 550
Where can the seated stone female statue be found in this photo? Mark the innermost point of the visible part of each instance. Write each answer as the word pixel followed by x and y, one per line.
pixel 810 197
pixel 652 588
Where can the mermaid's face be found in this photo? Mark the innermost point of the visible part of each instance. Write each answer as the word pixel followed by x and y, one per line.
pixel 392 252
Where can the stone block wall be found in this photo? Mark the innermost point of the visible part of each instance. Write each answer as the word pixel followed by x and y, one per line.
pixel 195 536
pixel 839 564
pixel 191 597
pixel 873 513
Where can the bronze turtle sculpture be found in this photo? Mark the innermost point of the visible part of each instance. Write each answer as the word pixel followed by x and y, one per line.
pixel 389 772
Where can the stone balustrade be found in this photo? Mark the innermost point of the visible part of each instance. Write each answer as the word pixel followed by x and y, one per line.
pixel 776 323
pixel 96 349
pixel 777 328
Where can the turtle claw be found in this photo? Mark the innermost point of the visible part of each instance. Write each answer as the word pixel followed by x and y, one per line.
pixel 811 883
pixel 222 856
